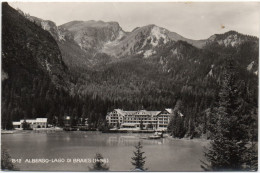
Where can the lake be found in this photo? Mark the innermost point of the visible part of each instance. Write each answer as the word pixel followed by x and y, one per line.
pixel 166 154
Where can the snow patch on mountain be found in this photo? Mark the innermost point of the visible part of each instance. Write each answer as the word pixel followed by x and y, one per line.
pixel 61 36
pixel 210 73
pixel 4 75
pixel 175 51
pixel 121 34
pixel 45 25
pixel 47 64
pixel 80 45
pixel 155 36
pixel 231 40
pixel 149 53
pixel 115 42
pixel 161 60
pixel 164 62
pixel 139 52
pixel 250 66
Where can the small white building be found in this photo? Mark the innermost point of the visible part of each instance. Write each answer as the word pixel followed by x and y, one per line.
pixel 34 123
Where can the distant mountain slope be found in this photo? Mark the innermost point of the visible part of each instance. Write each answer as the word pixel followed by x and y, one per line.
pixel 109 38
pixel 89 44
pixel 143 40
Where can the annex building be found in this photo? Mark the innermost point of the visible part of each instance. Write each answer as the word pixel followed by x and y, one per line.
pixel 34 123
pixel 158 120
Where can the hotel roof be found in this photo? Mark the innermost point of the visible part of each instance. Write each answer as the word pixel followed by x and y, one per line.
pixel 169 110
pixel 40 120
pixel 130 112
pixel 16 123
pixel 44 120
pixel 139 112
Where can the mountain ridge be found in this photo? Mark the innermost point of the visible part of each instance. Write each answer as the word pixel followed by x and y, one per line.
pixel 98 37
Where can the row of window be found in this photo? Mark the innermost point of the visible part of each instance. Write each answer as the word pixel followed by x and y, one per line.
pixel 140 122
pixel 162 125
pixel 139 117
pixel 38 123
pixel 115 121
pixel 115 117
pixel 163 118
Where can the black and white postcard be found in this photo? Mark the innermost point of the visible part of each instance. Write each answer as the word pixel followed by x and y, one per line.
pixel 129 86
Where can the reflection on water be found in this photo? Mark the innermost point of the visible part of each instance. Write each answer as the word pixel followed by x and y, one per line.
pixel 164 154
pixel 131 140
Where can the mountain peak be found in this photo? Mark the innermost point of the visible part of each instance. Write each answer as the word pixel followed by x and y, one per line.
pixel 150 25
pixel 92 35
pixel 78 25
pixel 74 22
pixel 231 38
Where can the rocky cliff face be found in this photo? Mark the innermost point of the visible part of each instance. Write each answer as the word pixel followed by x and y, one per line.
pixel 36 52
pixel 51 27
pixel 92 35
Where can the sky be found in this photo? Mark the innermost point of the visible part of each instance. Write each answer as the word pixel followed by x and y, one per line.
pixel 194 20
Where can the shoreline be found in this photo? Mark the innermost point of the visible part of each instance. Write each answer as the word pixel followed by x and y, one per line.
pixel 20 131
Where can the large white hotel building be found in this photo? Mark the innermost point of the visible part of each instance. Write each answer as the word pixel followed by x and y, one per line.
pixel 158 120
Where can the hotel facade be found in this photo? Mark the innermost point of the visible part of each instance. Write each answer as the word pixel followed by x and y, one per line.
pixel 157 120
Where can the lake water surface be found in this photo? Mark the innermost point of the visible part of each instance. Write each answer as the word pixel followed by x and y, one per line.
pixel 165 154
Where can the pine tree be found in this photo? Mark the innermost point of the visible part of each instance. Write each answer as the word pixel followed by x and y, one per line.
pixel 141 125
pixel 171 124
pixel 138 159
pixel 228 133
pixel 99 164
pixel 117 125
pixel 176 124
pixel 25 125
pixel 150 126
